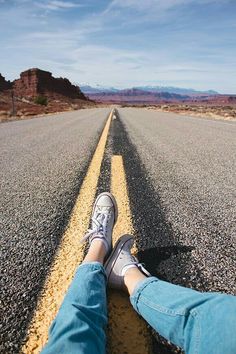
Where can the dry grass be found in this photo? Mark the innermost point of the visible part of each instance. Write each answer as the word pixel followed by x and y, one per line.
pixel 204 111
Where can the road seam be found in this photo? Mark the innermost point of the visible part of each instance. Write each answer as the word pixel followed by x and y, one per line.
pixel 69 255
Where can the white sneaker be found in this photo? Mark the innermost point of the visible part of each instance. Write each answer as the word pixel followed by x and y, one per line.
pixel 104 216
pixel 120 261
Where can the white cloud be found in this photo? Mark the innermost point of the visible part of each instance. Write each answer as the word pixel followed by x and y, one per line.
pixel 87 49
pixel 158 4
pixel 154 9
pixel 147 4
pixel 57 5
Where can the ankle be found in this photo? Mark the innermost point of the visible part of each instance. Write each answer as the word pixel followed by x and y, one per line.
pixel 127 268
pixel 133 272
pixel 97 252
pixel 132 277
pixel 100 245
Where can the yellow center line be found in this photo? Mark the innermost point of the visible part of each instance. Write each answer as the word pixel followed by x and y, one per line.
pixel 69 255
pixel 127 332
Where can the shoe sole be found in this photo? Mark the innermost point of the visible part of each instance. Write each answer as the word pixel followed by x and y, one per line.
pixel 119 245
pixel 113 201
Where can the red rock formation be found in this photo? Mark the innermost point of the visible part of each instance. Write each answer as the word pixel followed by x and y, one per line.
pixel 34 82
pixel 4 85
pixel 136 96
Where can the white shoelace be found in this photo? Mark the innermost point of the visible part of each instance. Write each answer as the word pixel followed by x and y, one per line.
pixel 99 228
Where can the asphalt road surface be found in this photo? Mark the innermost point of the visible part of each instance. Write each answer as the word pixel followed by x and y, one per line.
pixel 43 162
pixel 181 177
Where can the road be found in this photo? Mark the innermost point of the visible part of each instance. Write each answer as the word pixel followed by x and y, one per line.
pixel 181 184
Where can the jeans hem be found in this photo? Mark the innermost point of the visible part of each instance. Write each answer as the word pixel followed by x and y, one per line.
pixel 92 266
pixel 138 290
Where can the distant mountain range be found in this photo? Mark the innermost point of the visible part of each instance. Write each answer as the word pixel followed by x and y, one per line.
pixel 98 89
pixel 154 95
pixel 154 89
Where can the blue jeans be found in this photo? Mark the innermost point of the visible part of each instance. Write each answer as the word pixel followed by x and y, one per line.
pixel 199 323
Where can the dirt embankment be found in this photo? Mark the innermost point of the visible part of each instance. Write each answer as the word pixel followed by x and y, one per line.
pixel 25 108
pixel 225 112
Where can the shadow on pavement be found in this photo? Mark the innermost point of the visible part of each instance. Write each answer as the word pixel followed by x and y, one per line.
pixel 152 257
pixel 157 245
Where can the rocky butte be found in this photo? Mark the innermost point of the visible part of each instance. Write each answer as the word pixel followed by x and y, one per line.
pixel 34 82
pixel 4 85
pixel 37 92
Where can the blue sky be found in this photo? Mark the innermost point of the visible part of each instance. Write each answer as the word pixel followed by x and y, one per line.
pixel 123 43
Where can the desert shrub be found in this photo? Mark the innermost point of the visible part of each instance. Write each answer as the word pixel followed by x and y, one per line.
pixel 41 100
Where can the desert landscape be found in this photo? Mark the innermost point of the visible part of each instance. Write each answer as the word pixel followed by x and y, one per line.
pixel 37 92
pixel 200 104
pixel 212 111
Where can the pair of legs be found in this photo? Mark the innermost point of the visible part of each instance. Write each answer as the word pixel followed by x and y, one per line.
pixel 199 323
pixel 97 253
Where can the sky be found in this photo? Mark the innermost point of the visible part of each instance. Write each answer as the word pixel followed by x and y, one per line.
pixel 122 43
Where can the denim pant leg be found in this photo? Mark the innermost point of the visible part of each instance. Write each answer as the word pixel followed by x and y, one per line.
pixel 81 321
pixel 199 323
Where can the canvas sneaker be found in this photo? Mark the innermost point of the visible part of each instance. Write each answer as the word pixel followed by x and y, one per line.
pixel 120 261
pixel 103 219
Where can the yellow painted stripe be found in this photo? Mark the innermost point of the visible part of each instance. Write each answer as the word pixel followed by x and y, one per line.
pixel 127 332
pixel 69 255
